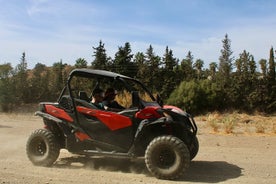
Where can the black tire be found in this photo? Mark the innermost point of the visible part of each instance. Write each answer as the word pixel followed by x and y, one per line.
pixel 167 157
pixel 42 148
pixel 194 148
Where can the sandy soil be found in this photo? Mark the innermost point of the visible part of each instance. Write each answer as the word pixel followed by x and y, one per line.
pixel 238 158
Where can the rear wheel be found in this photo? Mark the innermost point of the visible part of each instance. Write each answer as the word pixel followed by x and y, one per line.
pixel 42 148
pixel 167 157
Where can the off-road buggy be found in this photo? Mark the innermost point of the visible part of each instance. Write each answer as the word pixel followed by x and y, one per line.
pixel 164 136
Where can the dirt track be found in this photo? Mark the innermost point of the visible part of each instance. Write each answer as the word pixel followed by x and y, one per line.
pixel 221 159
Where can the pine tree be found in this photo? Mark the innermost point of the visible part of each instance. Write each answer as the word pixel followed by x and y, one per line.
pixel 243 81
pixel 153 73
pixel 226 86
pixel 252 68
pixel 22 92
pixel 22 67
pixel 122 62
pixel 168 60
pixel 101 61
pixel 139 60
pixel 225 60
pixel 186 66
pixel 168 73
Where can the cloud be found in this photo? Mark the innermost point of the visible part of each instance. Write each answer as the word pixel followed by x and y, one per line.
pixel 38 6
pixel 49 30
pixel 256 40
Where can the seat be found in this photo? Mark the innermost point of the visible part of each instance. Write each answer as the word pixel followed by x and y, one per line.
pixel 83 96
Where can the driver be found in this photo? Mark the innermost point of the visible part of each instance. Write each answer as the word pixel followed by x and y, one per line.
pixel 97 98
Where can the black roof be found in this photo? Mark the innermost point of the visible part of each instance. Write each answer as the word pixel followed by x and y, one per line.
pixel 93 73
pixel 84 72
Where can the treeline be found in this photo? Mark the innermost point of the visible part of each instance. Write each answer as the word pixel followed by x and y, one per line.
pixel 229 84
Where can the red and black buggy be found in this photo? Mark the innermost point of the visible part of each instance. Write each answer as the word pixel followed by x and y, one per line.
pixel 163 135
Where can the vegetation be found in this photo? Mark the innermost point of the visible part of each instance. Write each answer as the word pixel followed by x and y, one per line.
pixel 229 84
pixel 237 123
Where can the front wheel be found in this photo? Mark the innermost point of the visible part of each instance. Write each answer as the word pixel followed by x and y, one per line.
pixel 42 148
pixel 167 157
pixel 194 148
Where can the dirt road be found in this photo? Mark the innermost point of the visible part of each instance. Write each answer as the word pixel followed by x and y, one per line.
pixel 221 159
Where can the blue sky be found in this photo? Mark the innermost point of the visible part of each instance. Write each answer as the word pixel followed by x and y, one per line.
pixel 51 30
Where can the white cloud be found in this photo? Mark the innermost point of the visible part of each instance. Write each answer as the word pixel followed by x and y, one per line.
pixel 254 39
pixel 37 6
pixel 53 30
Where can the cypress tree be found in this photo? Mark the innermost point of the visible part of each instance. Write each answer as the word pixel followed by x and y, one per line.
pixel 271 67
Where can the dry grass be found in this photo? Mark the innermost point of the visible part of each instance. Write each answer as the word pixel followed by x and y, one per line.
pixel 213 121
pixel 124 98
pixel 229 124
pixel 274 128
pixel 260 128
pixel 240 123
pixel 214 125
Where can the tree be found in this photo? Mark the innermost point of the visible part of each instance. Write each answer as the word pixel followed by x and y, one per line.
pixel 271 85
pixel 213 67
pixel 5 71
pixel 22 94
pixel 186 67
pixel 22 67
pixel 123 61
pixel 263 64
pixel 81 63
pixel 152 74
pixel 168 60
pixel 39 83
pixel 252 67
pixel 223 79
pixel 196 96
pixel 139 60
pixel 225 60
pixel 271 67
pixel 198 66
pixel 58 78
pixel 244 81
pixel 101 61
pixel 242 65
pixel 168 73
pixel 7 87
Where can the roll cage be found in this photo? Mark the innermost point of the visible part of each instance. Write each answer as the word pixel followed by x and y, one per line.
pixel 130 84
pixel 100 74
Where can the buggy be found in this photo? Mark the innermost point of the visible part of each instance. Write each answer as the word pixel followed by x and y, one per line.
pixel 163 135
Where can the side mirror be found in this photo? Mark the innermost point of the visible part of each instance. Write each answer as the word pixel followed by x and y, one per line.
pixel 135 99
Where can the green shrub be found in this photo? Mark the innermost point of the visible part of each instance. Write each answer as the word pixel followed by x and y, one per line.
pixel 195 96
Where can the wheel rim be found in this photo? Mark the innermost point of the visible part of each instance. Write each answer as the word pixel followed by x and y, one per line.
pixel 39 147
pixel 165 158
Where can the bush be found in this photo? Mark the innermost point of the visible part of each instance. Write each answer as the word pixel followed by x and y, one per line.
pixel 196 96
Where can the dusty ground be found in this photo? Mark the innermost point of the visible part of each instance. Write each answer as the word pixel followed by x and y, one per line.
pixel 234 158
